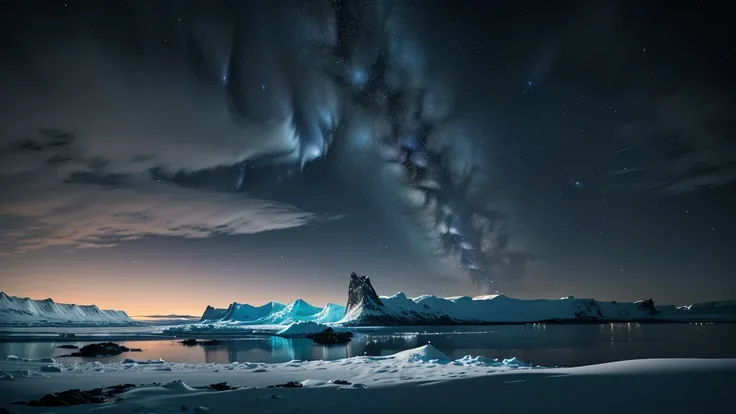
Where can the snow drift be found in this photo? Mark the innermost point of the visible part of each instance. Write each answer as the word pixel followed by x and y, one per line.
pixel 26 311
pixel 365 307
pixel 421 380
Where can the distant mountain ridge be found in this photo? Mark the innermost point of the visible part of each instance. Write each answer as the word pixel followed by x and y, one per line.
pixel 365 307
pixel 26 311
pixel 273 313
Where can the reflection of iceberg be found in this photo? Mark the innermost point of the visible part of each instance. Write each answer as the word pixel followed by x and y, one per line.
pixel 302 349
pixel 331 353
pixel 29 349
pixel 280 345
pixel 289 349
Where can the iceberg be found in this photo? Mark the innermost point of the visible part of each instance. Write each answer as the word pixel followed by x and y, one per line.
pixel 242 312
pixel 302 328
pixel 272 313
pixel 331 313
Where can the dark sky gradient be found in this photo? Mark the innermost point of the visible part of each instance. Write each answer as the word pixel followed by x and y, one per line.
pixel 604 131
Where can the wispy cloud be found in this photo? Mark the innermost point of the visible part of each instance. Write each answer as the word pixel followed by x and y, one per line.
pixel 81 134
pixel 84 215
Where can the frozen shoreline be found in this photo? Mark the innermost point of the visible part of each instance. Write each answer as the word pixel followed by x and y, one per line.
pixel 418 379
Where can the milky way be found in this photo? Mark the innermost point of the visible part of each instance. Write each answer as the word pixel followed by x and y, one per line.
pixel 367 82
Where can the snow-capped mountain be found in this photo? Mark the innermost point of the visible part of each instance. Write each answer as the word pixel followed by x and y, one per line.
pixel 329 314
pixel 365 307
pixel 25 311
pixel 213 314
pixel 243 312
pixel 298 310
pixel 273 313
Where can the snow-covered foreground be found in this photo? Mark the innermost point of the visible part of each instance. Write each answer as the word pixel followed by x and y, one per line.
pixel 417 380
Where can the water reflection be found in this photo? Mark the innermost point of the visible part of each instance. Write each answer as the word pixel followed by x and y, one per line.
pixel 548 345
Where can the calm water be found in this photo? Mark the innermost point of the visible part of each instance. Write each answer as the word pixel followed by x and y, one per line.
pixel 547 345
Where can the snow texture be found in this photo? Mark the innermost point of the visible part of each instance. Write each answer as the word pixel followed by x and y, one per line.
pixel 25 311
pixel 417 380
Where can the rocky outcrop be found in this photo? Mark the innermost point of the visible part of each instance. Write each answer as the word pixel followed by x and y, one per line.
pixel 589 310
pixel 192 342
pixel 78 397
pixel 647 306
pixel 101 350
pixel 290 384
pixel 330 337
pixel 104 394
pixel 361 293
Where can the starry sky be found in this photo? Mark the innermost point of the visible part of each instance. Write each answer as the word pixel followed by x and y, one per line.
pixel 158 157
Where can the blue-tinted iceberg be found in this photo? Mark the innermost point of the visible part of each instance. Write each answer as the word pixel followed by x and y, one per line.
pixel 273 313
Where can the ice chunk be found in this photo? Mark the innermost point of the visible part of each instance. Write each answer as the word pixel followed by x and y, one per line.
pixel 49 368
pixel 179 387
pixel 147 362
pixel 302 328
pixel 424 353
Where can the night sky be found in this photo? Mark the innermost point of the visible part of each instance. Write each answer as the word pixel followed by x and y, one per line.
pixel 162 156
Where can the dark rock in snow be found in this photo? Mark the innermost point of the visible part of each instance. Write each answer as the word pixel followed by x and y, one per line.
pixel 330 337
pixel 341 382
pixel 101 349
pixel 221 386
pixel 67 398
pixel 77 397
pixel 68 347
pixel 290 384
pixel 589 310
pixel 117 389
pixel 48 400
pixel 647 306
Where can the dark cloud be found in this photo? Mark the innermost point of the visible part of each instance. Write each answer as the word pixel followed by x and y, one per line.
pixel 685 142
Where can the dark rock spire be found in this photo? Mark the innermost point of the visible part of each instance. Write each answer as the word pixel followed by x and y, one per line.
pixel 361 291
